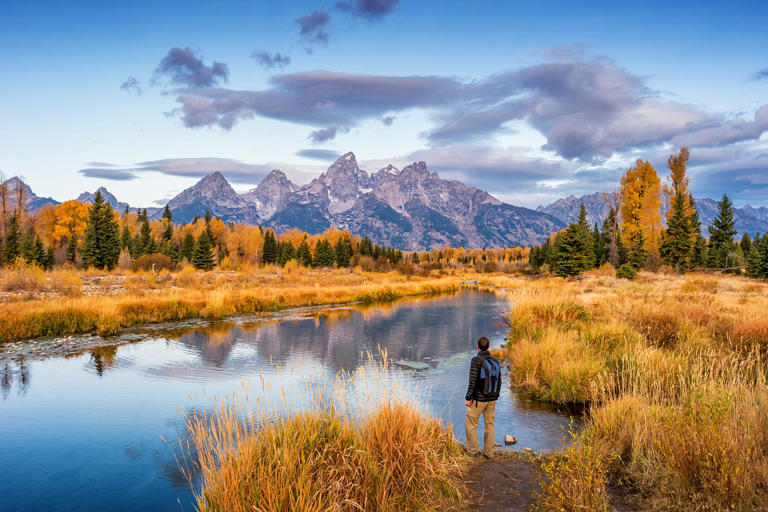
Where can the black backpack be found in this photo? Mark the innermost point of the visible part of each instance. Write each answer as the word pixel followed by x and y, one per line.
pixel 490 371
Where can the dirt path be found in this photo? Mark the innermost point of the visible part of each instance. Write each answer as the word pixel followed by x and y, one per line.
pixel 509 484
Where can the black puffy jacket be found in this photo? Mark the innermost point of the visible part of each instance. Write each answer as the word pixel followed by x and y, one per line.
pixel 475 390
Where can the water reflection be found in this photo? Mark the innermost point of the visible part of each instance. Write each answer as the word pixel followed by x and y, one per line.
pixel 14 374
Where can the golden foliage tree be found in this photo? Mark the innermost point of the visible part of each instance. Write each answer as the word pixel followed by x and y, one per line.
pixel 641 207
pixel 71 217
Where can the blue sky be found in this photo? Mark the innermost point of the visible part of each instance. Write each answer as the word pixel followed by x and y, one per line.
pixel 530 101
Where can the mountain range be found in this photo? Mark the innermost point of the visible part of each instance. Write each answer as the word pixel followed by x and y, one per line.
pixel 409 208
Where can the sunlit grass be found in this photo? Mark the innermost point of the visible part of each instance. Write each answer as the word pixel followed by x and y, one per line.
pixel 359 444
pixel 673 370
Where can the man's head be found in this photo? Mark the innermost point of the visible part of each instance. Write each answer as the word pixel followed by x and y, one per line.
pixel 482 343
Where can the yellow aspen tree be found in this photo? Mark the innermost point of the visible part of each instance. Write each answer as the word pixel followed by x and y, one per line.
pixel 641 207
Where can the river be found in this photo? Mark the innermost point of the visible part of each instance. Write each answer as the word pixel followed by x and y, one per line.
pixel 99 429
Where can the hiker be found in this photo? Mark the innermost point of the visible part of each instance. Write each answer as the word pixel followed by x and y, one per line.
pixel 482 393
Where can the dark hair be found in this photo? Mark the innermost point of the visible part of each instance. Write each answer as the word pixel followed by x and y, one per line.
pixel 483 343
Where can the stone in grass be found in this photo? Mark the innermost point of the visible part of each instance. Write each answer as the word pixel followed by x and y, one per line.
pixel 509 439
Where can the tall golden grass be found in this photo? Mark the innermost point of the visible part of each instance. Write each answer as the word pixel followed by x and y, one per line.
pixel 674 371
pixel 353 448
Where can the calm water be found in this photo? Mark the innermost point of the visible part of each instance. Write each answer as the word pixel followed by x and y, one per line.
pixel 97 430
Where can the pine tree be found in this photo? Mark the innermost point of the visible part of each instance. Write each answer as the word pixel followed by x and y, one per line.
pixel 11 246
pixel 599 247
pixel 324 255
pixel 677 245
pixel 304 254
pixel 125 239
pixel 286 252
pixel 574 248
pixel 50 258
pixel 746 244
pixel 170 249
pixel 269 250
pixel 101 248
pixel 610 232
pixel 343 251
pixel 721 234
pixel 203 255
pixel 699 252
pixel 72 249
pixel 188 247
pixel 27 248
pixel 638 256
pixel 146 242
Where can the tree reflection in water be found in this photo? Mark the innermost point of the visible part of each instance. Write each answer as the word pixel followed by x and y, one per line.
pixel 17 372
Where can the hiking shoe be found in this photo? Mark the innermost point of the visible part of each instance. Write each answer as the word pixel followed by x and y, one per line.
pixel 488 457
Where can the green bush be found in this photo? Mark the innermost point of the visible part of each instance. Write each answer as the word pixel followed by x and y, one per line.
pixel 626 271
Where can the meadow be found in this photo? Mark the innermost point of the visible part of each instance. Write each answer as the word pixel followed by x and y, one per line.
pixel 671 371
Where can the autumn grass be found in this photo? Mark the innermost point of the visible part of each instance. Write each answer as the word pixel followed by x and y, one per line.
pixel 333 455
pixel 107 302
pixel 673 372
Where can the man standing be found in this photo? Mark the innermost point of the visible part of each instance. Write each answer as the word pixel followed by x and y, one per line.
pixel 482 393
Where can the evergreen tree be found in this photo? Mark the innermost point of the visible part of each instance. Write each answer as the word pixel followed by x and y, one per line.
pixel 324 255
pixel 269 250
pixel 203 255
pixel 599 247
pixel 125 240
pixel 11 246
pixel 304 254
pixel 101 248
pixel 721 234
pixel 28 249
pixel 366 248
pixel 699 252
pixel 638 256
pixel 746 244
pixel 343 251
pixel 146 242
pixel 50 258
pixel 610 232
pixel 167 215
pixel 574 248
pixel 188 247
pixel 286 252
pixel 170 249
pixel 677 245
pixel 72 249
pixel 39 252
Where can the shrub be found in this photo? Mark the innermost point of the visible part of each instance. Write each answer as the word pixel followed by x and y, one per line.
pixel 155 262
pixel 626 271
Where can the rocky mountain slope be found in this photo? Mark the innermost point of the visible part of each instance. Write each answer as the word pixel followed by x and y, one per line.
pixel 748 219
pixel 31 200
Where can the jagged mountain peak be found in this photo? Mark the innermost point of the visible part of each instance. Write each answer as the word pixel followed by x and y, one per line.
pixel 109 198
pixel 416 169
pixel 271 195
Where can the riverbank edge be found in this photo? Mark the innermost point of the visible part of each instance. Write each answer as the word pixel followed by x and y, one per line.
pixel 108 316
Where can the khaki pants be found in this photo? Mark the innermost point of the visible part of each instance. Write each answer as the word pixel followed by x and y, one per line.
pixel 488 410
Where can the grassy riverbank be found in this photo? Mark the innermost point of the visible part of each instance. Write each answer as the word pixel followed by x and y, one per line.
pixel 379 453
pixel 674 371
pixel 63 303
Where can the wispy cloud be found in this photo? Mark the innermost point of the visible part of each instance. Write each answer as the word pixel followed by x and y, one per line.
pixel 372 10
pixel 325 155
pixel 181 66
pixel 313 27
pixel 271 61
pixel 131 84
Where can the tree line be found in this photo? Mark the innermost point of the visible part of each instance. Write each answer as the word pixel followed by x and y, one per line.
pixel 632 236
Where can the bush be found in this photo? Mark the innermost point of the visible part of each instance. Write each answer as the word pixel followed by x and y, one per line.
pixel 626 271
pixel 155 262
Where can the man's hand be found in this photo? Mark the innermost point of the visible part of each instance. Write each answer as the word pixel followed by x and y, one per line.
pixel 467 403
